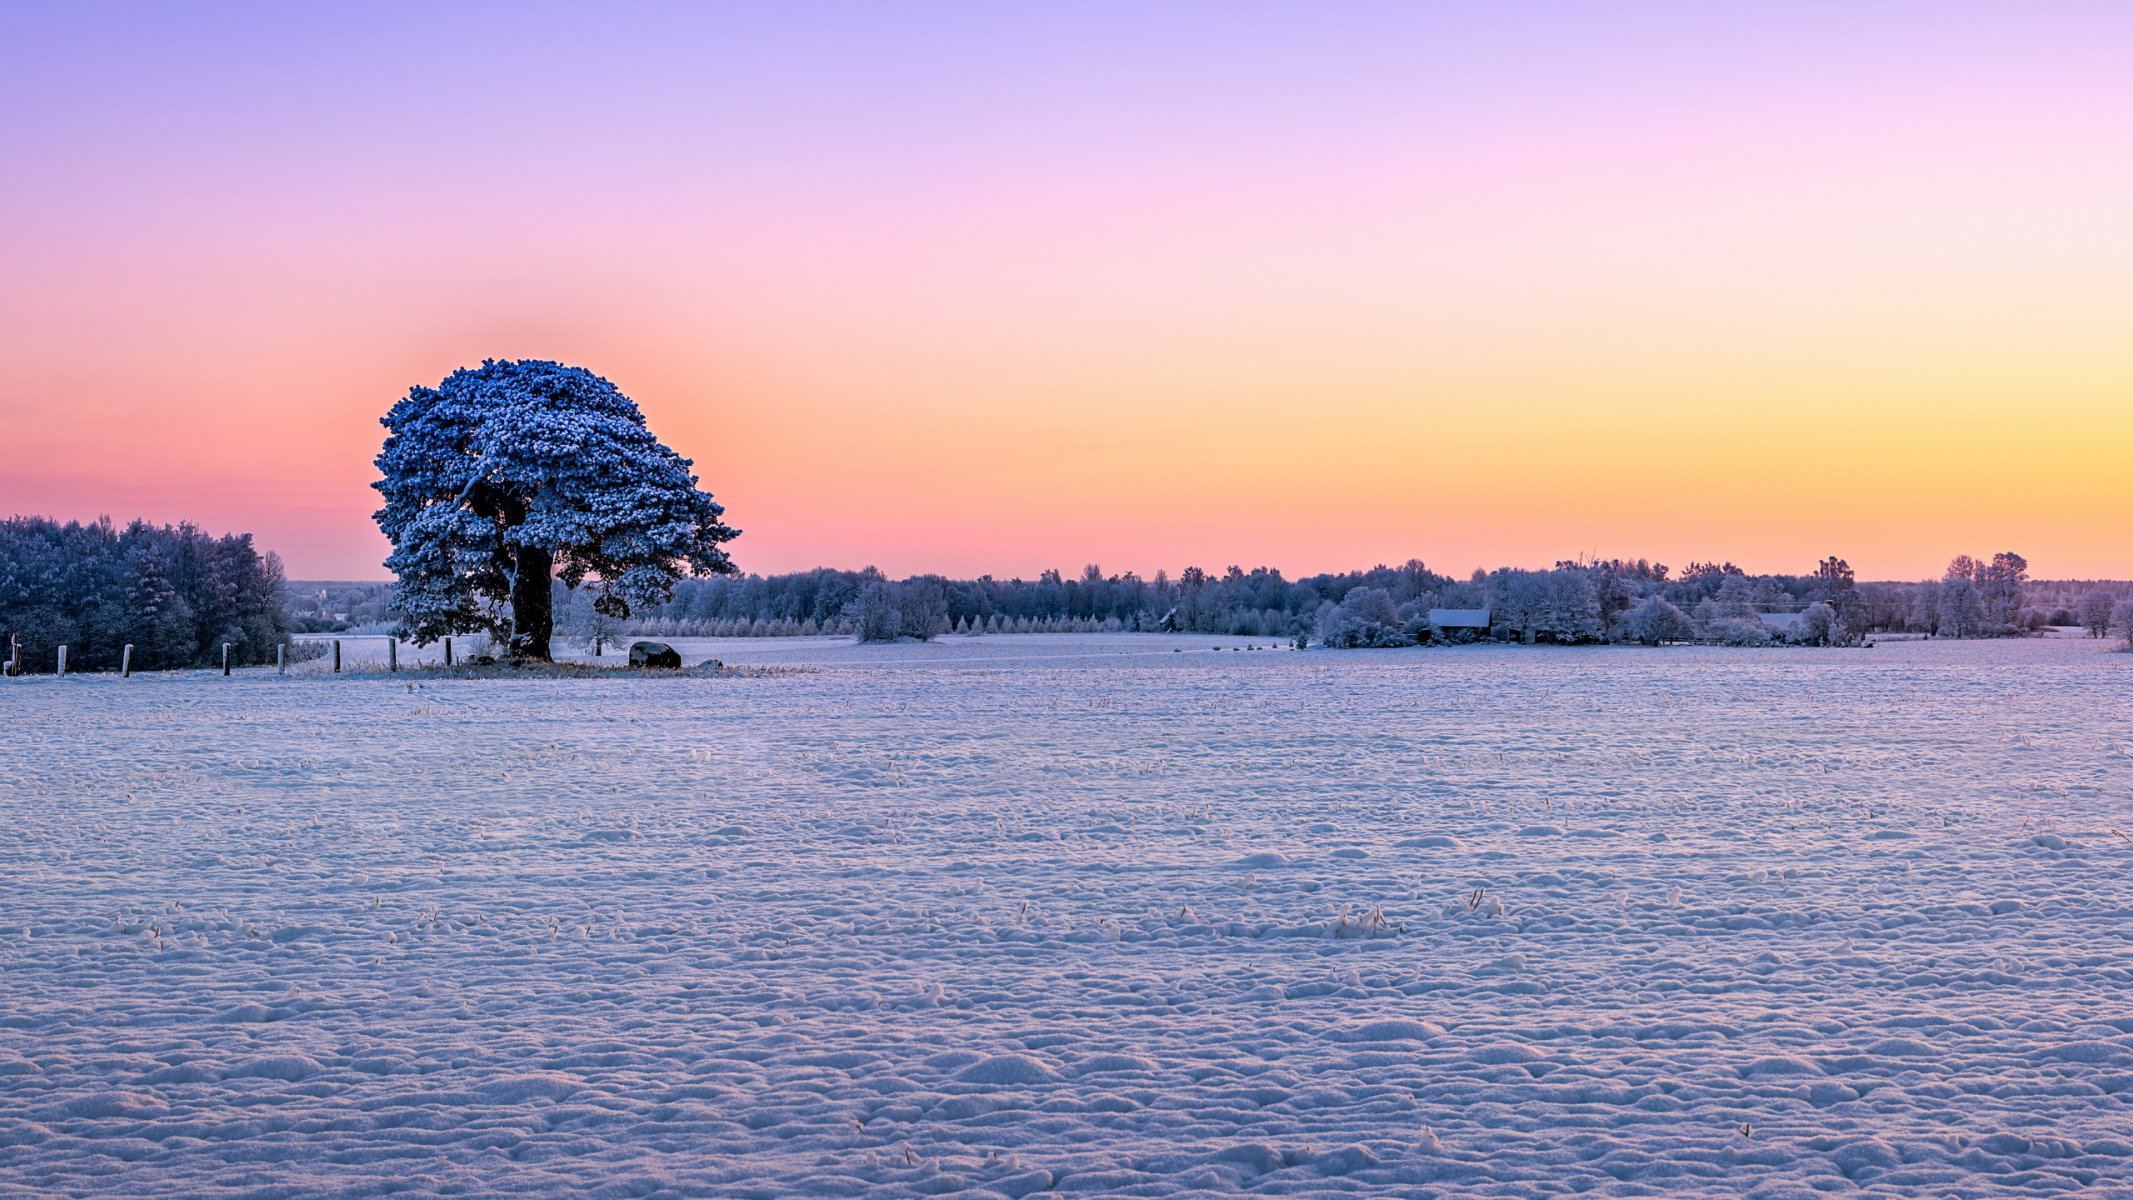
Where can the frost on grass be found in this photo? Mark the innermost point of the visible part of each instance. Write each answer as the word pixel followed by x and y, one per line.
pixel 1078 915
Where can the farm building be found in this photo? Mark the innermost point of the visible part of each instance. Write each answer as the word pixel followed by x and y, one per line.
pixel 1469 621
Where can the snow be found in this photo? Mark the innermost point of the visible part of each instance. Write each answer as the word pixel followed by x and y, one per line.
pixel 1078 914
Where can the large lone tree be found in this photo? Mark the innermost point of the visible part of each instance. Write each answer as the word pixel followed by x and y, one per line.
pixel 498 478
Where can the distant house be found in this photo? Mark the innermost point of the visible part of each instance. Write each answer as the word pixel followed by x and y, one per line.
pixel 1784 624
pixel 1459 620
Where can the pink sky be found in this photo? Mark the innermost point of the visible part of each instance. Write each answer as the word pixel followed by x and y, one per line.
pixel 972 290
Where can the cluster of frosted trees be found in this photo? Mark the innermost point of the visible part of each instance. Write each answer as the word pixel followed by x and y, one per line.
pixel 1642 602
pixel 1974 598
pixel 173 593
pixel 1579 602
pixel 1260 601
pixel 849 627
pixel 1617 600
pixel 2103 614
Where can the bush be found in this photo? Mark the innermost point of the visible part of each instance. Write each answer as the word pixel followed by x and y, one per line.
pixel 1740 631
pixel 1818 625
pixel 922 605
pixel 885 612
pixel 1655 621
pixel 874 615
pixel 1364 617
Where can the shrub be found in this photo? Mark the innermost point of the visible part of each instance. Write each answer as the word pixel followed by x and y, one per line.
pixel 1740 631
pixel 1655 621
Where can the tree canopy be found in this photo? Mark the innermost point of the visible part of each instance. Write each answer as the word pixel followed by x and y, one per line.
pixel 172 592
pixel 503 477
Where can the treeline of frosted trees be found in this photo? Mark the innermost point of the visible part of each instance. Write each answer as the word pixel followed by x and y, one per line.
pixel 1622 601
pixel 1575 601
pixel 2102 607
pixel 1580 601
pixel 850 627
pixel 1257 602
pixel 172 592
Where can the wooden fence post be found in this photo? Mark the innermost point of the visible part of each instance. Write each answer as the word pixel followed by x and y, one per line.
pixel 336 656
pixel 126 662
pixel 281 659
pixel 392 654
pixel 62 660
pixel 225 659
pixel 448 652
pixel 14 655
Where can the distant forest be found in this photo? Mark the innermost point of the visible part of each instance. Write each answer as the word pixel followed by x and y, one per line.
pixel 1575 601
pixel 172 592
pixel 177 595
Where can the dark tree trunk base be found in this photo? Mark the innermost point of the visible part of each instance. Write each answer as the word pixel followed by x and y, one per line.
pixel 532 606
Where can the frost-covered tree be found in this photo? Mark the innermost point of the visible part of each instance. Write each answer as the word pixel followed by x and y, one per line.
pixel 874 613
pixel 1736 598
pixel 498 479
pixel 885 611
pixel 1740 631
pixel 1819 625
pixel 1655 621
pixel 2095 612
pixel 1960 613
pixel 922 608
pixel 1836 586
pixel 1366 616
pixel 1999 588
pixel 583 622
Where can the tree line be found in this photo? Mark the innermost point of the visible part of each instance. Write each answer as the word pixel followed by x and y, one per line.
pixel 1617 600
pixel 172 592
pixel 1575 601
pixel 1719 601
pixel 177 594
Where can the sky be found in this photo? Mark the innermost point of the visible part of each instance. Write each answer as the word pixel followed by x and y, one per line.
pixel 980 288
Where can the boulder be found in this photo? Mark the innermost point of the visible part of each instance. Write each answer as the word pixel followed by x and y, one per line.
pixel 655 654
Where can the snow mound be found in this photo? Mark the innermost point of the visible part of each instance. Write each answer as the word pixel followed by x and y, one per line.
pixel 1007 1070
pixel 1395 1030
pixel 289 1068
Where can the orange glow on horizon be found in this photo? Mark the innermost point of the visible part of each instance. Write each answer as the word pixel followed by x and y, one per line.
pixel 1673 307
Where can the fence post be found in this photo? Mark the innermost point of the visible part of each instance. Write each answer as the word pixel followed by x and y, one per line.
pixel 392 654
pixel 596 647
pixel 14 655
pixel 281 659
pixel 225 659
pixel 126 662
pixel 448 652
pixel 62 660
pixel 336 656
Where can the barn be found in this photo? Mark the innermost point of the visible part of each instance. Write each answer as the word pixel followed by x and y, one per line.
pixel 1781 624
pixel 1458 624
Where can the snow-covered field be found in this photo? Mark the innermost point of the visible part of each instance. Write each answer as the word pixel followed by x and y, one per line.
pixel 1120 916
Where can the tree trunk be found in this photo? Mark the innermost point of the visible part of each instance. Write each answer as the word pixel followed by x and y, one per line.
pixel 532 605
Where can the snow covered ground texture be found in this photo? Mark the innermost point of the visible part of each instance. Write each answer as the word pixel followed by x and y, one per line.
pixel 1096 916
